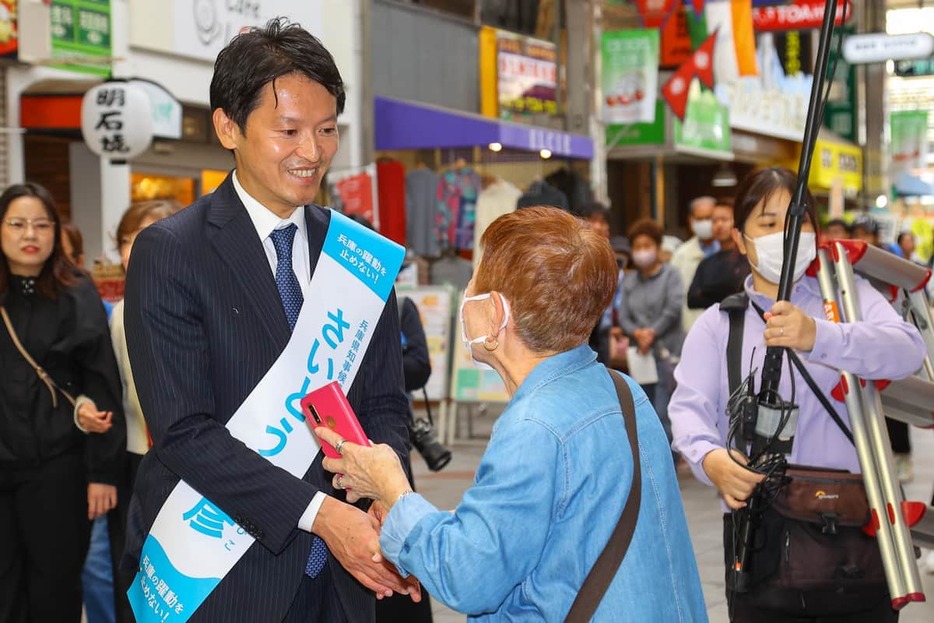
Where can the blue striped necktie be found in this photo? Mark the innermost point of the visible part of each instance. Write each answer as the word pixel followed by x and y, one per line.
pixel 290 291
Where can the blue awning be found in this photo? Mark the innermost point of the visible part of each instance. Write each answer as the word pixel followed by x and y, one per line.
pixel 406 125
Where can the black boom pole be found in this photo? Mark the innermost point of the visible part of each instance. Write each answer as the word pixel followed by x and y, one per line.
pixel 772 367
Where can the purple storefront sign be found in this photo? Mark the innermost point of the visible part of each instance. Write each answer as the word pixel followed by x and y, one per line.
pixel 404 125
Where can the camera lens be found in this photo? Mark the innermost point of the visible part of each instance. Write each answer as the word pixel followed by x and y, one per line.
pixel 423 438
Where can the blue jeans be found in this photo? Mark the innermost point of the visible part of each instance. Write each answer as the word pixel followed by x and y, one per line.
pixel 97 579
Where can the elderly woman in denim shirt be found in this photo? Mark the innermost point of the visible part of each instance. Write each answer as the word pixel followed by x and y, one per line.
pixel 558 469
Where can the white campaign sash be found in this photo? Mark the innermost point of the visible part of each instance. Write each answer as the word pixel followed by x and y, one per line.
pixel 193 544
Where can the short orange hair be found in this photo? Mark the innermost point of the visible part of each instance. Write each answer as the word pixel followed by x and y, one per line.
pixel 556 272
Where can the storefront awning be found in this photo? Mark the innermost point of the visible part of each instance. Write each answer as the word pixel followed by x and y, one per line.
pixel 406 125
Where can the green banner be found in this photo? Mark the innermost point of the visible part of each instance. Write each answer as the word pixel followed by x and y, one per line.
pixel 706 123
pixel 909 145
pixel 652 133
pixel 81 33
pixel 629 75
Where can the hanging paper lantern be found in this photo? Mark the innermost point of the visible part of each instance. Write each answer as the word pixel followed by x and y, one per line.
pixel 116 120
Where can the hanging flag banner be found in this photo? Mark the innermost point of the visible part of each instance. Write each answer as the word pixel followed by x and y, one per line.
pixel 630 75
pixel 654 12
pixel 700 66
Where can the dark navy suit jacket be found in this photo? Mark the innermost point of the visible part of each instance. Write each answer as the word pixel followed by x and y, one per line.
pixel 204 323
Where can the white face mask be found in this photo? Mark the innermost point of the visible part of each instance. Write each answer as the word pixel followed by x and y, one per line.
pixel 468 343
pixel 703 229
pixel 644 259
pixel 771 255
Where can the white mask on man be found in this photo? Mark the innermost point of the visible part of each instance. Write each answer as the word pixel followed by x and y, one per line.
pixel 468 343
pixel 703 229
pixel 770 253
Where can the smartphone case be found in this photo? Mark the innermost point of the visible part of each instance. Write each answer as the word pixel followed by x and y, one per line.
pixel 327 406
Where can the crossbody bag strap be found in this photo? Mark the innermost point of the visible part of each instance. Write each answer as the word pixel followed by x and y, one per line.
pixel 604 570
pixel 40 372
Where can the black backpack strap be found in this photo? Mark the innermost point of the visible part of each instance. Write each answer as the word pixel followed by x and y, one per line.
pixel 735 305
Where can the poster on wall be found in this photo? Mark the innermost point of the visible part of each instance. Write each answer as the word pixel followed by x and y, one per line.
pixel 630 75
pixel 435 309
pixel 204 27
pixel 527 76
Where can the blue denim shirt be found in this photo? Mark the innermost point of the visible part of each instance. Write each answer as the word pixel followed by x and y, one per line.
pixel 548 492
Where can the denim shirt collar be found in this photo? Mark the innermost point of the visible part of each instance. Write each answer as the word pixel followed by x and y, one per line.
pixel 554 367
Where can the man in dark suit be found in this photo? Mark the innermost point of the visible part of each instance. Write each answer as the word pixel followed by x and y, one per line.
pixel 207 316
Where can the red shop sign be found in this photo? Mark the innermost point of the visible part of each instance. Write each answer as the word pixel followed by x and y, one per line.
pixel 799 15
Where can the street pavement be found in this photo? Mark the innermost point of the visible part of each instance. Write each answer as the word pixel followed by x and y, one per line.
pixel 445 488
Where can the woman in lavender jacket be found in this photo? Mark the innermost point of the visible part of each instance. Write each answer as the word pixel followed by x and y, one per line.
pixel 881 346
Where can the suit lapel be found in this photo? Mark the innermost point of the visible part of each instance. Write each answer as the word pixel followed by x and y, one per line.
pixel 234 238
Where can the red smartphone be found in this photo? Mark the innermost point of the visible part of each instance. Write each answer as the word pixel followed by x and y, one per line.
pixel 327 406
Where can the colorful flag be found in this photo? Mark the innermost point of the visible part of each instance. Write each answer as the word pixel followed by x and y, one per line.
pixel 736 45
pixel 700 66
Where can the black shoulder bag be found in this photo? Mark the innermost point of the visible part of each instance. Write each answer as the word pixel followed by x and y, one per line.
pixel 604 570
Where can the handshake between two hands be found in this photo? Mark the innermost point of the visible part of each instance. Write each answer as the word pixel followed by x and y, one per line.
pixel 351 535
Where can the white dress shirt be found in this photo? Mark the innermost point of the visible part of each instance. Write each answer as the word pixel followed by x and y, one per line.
pixel 265 222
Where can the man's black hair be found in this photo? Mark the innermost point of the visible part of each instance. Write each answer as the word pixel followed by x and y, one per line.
pixel 840 222
pixel 261 55
pixel 593 210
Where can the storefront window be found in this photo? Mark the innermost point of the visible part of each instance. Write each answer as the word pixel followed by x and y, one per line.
pixel 145 187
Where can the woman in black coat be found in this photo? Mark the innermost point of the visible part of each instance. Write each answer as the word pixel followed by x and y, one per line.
pixel 54 477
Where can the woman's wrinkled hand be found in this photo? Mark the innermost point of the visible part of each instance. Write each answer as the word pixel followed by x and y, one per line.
pixel 786 325
pixel 373 472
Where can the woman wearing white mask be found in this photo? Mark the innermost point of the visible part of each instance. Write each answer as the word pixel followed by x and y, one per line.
pixel 880 346
pixel 558 469
pixel 653 297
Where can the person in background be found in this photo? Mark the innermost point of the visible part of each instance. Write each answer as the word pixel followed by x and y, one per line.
pixel 597 216
pixel 73 244
pixel 702 244
pixel 136 218
pixel 650 314
pixel 866 228
pixel 60 461
pixel 619 343
pixel 557 471
pixel 906 242
pixel 882 345
pixel 670 244
pixel 724 272
pixel 836 229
